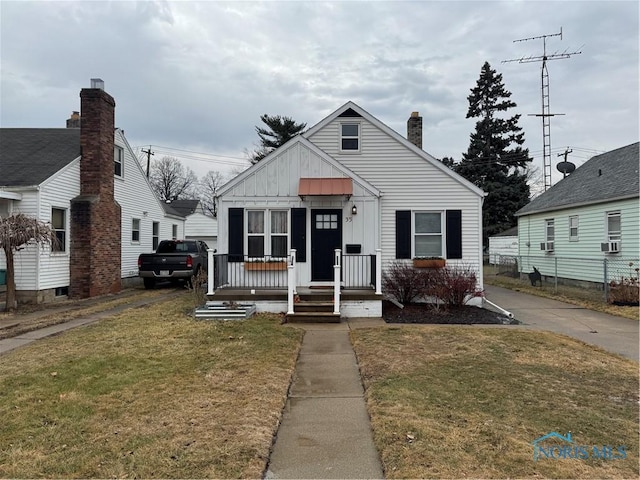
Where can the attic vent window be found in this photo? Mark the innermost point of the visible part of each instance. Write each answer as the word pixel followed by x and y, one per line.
pixel 350 137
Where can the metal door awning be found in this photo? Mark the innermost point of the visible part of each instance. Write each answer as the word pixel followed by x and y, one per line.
pixel 325 187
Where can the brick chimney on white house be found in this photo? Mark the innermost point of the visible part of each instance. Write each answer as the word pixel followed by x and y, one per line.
pixel 74 120
pixel 95 253
pixel 414 129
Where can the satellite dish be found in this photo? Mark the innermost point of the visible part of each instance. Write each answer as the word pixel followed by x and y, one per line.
pixel 566 168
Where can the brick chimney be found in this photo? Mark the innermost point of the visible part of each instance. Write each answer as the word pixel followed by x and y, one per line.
pixel 74 120
pixel 95 253
pixel 414 129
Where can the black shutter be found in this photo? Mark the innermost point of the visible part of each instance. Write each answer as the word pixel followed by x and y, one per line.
pixel 454 234
pixel 236 234
pixel 299 233
pixel 403 234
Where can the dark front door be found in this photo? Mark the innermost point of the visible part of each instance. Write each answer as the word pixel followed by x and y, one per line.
pixel 326 236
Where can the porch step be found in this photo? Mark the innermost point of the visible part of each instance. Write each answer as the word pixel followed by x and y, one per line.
pixel 313 312
pixel 225 311
pixel 313 317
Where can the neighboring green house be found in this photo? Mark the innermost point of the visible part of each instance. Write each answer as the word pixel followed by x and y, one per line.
pixel 586 227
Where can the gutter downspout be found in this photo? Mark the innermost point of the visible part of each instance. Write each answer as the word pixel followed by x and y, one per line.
pixel 502 310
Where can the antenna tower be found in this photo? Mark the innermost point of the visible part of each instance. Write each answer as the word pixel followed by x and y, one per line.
pixel 546 115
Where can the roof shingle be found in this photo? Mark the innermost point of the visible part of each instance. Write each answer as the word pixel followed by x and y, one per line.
pixel 606 177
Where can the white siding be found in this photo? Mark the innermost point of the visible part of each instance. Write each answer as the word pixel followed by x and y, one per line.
pixel 57 192
pixel 137 200
pixel 26 260
pixel 407 182
pixel 591 233
pixel 502 246
pixel 199 226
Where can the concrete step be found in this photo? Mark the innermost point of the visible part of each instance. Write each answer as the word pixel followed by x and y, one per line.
pixel 313 317
pixel 225 311
pixel 305 306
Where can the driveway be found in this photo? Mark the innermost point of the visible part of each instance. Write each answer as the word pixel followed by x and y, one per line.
pixel 615 334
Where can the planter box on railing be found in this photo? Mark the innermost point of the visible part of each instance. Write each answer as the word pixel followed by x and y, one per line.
pixel 265 266
pixel 429 262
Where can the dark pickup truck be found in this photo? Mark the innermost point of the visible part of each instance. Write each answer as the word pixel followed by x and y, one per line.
pixel 174 260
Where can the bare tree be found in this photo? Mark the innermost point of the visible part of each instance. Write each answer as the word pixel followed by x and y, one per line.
pixel 209 186
pixel 171 180
pixel 17 231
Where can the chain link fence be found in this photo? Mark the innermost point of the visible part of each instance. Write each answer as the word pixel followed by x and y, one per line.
pixel 611 279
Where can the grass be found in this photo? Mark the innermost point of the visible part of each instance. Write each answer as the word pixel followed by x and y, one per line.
pixel 148 393
pixel 455 402
pixel 588 298
pixel 33 317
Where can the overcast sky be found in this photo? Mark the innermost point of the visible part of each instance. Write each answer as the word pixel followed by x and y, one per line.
pixel 196 76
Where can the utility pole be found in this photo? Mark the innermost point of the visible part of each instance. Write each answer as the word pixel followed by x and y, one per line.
pixel 149 153
pixel 546 115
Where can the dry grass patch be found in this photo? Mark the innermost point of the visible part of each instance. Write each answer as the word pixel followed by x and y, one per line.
pixel 455 402
pixel 150 393
pixel 588 298
pixel 34 317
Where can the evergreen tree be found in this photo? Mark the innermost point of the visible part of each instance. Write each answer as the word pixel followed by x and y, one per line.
pixel 495 160
pixel 278 132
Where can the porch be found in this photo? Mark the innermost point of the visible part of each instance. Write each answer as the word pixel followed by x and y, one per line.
pixel 271 285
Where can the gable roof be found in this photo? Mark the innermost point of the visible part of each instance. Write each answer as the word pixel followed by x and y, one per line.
pixel 350 109
pixel 28 156
pixel 298 139
pixel 183 207
pixel 610 176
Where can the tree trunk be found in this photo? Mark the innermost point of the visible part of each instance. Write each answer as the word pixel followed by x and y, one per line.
pixel 11 303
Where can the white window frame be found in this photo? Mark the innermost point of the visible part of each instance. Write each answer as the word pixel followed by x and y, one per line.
pixel 62 246
pixel 118 159
pixel 613 235
pixel 574 225
pixel 357 137
pixel 550 229
pixel 174 231
pixel 267 234
pixel 135 230
pixel 155 235
pixel 440 234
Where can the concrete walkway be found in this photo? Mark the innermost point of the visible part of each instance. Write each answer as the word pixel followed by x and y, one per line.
pixel 325 430
pixel 614 334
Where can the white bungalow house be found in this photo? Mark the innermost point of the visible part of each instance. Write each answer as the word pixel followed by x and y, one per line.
pixel 350 195
pixel 43 174
pixel 198 225
pixel 587 226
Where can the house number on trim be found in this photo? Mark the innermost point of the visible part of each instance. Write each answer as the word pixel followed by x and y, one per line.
pixel 348 219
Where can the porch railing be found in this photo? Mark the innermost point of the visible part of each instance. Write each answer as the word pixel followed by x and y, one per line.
pixel 350 271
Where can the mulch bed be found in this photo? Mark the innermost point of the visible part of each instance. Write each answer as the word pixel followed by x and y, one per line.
pixel 425 313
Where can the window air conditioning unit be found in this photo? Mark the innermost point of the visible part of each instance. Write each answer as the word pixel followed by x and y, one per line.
pixel 546 246
pixel 610 247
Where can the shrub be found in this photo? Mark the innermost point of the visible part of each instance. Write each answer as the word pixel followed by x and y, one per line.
pixel 454 284
pixel 404 282
pixel 625 291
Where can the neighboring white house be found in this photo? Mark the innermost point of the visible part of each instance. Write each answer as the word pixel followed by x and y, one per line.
pixel 40 175
pixel 351 183
pixel 504 244
pixel 590 216
pixel 198 225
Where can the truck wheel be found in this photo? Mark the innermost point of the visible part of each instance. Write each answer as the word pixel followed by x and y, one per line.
pixel 189 282
pixel 149 283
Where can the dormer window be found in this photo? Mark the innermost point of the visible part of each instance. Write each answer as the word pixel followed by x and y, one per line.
pixel 350 137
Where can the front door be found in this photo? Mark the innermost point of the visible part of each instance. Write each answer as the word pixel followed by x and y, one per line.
pixel 326 236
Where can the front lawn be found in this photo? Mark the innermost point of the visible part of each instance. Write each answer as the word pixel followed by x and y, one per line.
pixel 150 393
pixel 467 402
